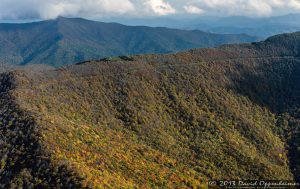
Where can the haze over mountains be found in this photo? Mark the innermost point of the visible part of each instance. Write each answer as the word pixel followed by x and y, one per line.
pixel 65 41
pixel 255 26
pixel 155 121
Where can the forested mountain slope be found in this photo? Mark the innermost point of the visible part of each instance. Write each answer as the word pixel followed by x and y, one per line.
pixel 66 40
pixel 167 121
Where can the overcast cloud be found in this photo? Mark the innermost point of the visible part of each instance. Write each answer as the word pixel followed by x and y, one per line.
pixel 47 9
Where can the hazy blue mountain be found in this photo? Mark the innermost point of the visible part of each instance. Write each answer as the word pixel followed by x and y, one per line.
pixel 262 27
pixel 65 41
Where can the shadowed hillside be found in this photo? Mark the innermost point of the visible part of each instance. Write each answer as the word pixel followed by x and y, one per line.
pixel 165 121
pixel 65 41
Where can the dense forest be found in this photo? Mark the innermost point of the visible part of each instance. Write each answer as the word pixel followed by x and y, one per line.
pixel 155 121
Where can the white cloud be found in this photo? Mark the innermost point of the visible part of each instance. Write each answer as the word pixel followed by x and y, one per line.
pixel 237 7
pixel 247 7
pixel 191 9
pixel 260 7
pixel 276 3
pixel 160 7
pixel 45 9
pixel 295 4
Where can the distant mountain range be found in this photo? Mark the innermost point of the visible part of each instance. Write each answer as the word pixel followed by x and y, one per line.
pixel 65 41
pixel 261 27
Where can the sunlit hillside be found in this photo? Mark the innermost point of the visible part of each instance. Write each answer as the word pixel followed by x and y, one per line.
pixel 155 121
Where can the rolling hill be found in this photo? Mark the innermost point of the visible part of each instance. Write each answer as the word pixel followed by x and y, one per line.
pixel 65 41
pixel 155 121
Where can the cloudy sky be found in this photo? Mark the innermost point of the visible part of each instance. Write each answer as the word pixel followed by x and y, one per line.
pixel 95 9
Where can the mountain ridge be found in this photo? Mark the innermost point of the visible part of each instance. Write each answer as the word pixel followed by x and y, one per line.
pixel 70 40
pixel 263 27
